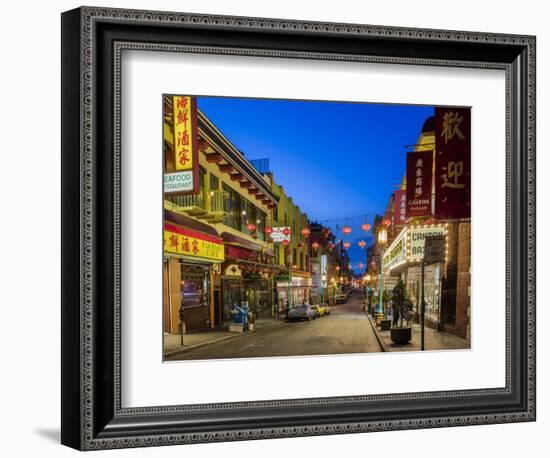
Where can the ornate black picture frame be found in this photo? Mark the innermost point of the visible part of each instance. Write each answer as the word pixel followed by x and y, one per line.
pixel 92 42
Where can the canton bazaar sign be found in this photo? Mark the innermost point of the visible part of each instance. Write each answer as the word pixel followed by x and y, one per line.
pixel 419 183
pixel 418 239
pixel 183 241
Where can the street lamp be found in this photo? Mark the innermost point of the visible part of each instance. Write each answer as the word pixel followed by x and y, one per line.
pixel 323 286
pixel 382 240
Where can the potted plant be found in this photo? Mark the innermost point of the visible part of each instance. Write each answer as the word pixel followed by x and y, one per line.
pixel 385 324
pixel 401 333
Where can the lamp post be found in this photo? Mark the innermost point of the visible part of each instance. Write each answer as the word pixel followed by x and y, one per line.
pixel 382 239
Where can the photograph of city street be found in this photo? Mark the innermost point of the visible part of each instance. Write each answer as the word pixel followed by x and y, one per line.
pixel 302 227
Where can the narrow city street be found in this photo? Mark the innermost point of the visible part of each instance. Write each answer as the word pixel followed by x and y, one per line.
pixel 345 330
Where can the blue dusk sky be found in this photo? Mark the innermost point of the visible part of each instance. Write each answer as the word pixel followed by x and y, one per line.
pixel 339 161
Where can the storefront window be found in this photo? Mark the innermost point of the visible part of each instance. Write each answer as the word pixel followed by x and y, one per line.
pixel 232 295
pixel 194 286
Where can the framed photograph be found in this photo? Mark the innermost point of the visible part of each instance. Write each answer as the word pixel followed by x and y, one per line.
pixel 275 228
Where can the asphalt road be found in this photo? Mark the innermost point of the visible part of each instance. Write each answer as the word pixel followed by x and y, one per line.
pixel 345 330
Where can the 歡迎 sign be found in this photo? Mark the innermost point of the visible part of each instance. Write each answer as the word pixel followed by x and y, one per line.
pixel 178 181
pixel 452 163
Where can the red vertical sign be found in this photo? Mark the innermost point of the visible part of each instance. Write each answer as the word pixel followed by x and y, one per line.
pixel 452 163
pixel 419 183
pixel 400 208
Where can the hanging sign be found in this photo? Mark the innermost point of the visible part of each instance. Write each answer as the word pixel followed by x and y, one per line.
pixel 400 208
pixel 185 144
pixel 452 163
pixel 280 234
pixel 419 183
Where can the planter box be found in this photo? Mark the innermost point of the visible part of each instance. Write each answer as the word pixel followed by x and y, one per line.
pixel 385 325
pixel 401 335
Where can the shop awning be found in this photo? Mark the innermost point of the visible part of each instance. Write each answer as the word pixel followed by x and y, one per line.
pixel 231 239
pixel 191 223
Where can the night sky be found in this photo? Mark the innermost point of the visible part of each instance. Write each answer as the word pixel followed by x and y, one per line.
pixel 338 161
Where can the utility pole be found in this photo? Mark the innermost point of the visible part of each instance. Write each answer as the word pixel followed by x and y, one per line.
pixel 422 308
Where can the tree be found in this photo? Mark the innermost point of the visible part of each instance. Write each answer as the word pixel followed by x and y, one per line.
pixel 401 302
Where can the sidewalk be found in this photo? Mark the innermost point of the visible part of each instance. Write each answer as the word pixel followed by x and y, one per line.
pixel 172 342
pixel 433 340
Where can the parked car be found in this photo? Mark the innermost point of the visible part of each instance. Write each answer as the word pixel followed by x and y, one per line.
pixel 341 298
pixel 324 309
pixel 300 312
pixel 316 311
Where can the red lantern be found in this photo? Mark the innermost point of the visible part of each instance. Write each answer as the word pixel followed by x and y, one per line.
pixel 330 245
pixel 366 227
pixel 251 227
pixel 300 244
pixel 315 245
pixel 337 268
pixel 285 242
pixel 305 231
pixel 360 265
pixel 268 230
pixel 386 222
pixel 347 245
pixel 362 243
pixel 346 230
pixel 286 231
pixel 254 236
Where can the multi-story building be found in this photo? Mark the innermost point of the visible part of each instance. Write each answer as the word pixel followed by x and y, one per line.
pixel 229 259
pixel 293 284
pixel 446 284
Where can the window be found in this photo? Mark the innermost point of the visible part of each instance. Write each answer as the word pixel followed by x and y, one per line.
pixel 232 208
pixel 260 224
pixel 214 182
pixel 248 215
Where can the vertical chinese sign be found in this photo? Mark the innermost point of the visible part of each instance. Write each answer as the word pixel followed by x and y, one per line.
pixel 452 164
pixel 419 183
pixel 400 209
pixel 184 179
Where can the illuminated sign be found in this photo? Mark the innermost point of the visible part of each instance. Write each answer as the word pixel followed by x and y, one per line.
pixel 280 234
pixel 183 241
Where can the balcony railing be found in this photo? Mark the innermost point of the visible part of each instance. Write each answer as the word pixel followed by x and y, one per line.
pixel 194 204
pixel 210 206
